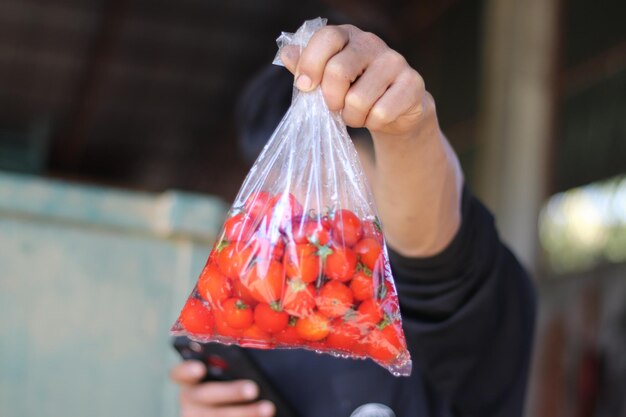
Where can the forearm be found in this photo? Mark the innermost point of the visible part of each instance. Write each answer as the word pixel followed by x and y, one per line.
pixel 417 184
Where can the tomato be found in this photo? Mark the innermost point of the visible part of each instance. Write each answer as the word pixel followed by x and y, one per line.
pixel 265 281
pixel 384 346
pixel 237 314
pixel 362 286
pixel 314 327
pixel 238 227
pixel 310 231
pixel 233 260
pixel 369 313
pixel 264 248
pixel 223 329
pixel 257 204
pixel 196 318
pixel 373 230
pixel 289 335
pixel 343 335
pixel 213 286
pixel 241 291
pixel 334 299
pixel 283 208
pixel 301 262
pixel 369 252
pixel 270 318
pixel 255 337
pixel 347 228
pixel 299 298
pixel 340 264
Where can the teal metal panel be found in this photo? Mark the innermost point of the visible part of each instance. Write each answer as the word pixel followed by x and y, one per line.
pixel 90 281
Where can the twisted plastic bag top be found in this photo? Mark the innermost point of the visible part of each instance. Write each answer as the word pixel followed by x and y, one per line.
pixel 301 261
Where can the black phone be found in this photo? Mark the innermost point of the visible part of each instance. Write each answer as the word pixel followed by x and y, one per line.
pixel 227 363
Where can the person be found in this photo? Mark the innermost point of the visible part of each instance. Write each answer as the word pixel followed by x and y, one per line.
pixel 468 307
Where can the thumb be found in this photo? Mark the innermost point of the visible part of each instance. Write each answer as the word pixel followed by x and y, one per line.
pixel 290 55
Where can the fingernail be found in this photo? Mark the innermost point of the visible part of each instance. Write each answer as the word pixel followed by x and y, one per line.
pixel 196 369
pixel 303 82
pixel 266 409
pixel 249 390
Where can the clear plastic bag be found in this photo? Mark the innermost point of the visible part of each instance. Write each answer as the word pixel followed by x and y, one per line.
pixel 301 261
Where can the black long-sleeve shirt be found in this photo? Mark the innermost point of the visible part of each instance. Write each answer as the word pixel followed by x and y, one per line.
pixel 468 316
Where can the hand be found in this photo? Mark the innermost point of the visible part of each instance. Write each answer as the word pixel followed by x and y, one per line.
pixel 216 399
pixel 359 74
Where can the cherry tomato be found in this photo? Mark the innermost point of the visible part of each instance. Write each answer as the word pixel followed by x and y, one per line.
pixel 369 313
pixel 265 281
pixel 237 314
pixel 196 318
pixel 299 298
pixel 270 318
pixel 223 329
pixel 301 262
pixel 310 231
pixel 213 286
pixel 334 299
pixel 347 228
pixel 362 286
pixel 373 230
pixel 241 291
pixel 283 208
pixel 255 337
pixel 257 204
pixel 343 335
pixel 289 335
pixel 369 252
pixel 238 227
pixel 340 264
pixel 384 346
pixel 233 260
pixel 314 327
pixel 264 248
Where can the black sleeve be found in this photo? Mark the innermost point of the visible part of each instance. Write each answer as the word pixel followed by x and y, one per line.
pixel 469 317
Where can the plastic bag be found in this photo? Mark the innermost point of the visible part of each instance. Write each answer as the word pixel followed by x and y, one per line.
pixel 301 261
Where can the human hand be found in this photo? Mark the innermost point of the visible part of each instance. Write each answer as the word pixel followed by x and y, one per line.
pixel 216 399
pixel 371 84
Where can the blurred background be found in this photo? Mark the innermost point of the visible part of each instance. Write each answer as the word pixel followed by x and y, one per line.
pixel 119 156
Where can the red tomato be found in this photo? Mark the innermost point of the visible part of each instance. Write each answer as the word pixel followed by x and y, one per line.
pixel 369 252
pixel 270 318
pixel 384 346
pixel 196 318
pixel 237 314
pixel 241 291
pixel 255 337
pixel 238 227
pixel 265 248
pixel 299 298
pixel 223 329
pixel 369 313
pixel 289 335
pixel 314 327
pixel 301 262
pixel 372 229
pixel 334 299
pixel 362 286
pixel 340 264
pixel 265 281
pixel 233 260
pixel 310 231
pixel 347 228
pixel 283 208
pixel 257 204
pixel 213 286
pixel 343 335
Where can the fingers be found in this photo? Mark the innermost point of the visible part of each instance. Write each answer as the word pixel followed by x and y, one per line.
pixel 290 54
pixel 258 409
pixel 219 393
pixel 188 372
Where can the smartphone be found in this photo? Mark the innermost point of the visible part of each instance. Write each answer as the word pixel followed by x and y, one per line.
pixel 228 363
